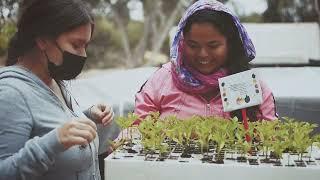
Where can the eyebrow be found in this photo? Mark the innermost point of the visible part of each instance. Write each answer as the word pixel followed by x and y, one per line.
pixel 210 42
pixel 81 40
pixel 192 41
pixel 214 42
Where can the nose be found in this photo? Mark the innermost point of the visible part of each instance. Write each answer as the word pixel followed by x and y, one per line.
pixel 84 53
pixel 203 53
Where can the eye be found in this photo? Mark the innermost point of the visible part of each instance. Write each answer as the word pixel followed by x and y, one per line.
pixel 213 45
pixel 193 45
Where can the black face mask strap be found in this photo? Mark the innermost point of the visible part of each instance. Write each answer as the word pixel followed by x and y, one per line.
pixel 50 64
pixel 59 47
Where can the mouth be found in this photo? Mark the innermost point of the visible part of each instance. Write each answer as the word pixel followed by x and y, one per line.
pixel 204 62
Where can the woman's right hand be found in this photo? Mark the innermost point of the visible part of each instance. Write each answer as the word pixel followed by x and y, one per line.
pixel 79 131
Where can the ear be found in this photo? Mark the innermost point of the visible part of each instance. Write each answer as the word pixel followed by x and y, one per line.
pixel 41 43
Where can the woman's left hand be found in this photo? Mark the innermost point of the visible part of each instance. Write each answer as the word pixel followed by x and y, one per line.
pixel 101 113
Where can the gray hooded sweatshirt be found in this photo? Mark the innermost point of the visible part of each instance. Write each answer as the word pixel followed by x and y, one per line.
pixel 29 147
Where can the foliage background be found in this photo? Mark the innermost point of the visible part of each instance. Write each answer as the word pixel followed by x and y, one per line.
pixel 121 41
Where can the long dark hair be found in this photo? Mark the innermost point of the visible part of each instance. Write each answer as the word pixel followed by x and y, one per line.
pixel 237 61
pixel 48 18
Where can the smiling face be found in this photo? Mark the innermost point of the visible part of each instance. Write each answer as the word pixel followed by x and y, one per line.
pixel 205 48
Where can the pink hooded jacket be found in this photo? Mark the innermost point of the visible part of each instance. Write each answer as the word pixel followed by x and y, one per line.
pixel 160 94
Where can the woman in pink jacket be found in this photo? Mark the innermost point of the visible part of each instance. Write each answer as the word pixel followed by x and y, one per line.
pixel 210 43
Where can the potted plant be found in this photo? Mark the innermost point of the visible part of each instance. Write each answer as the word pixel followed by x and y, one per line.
pixel 299 138
pixel 280 142
pixel 265 131
pixel 188 128
pixel 242 144
pixel 230 136
pixel 125 123
pixel 219 135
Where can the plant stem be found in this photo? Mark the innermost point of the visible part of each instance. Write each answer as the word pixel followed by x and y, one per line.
pixel 310 153
pixel 267 153
pixel 122 134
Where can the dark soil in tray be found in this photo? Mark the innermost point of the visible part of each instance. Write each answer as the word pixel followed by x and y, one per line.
pixel 185 155
pixel 290 165
pixel 206 158
pixel 311 163
pixel 132 151
pixel 268 161
pixel 173 157
pixel 183 161
pixel 253 162
pixel 277 163
pixel 149 158
pixel 128 156
pixel 241 159
pixel 161 158
pixel 218 161
pixel 177 150
pixel 273 155
pixel 219 158
pixel 300 163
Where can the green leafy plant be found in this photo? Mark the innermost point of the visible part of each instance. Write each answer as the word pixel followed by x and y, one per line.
pixel 145 128
pixel 153 135
pixel 125 124
pixel 299 136
pixel 275 137
pixel 174 130
pixel 203 131
pixel 242 144
pixel 188 129
pixel 316 140
pixel 265 131
pixel 219 135
pixel 230 135
pixel 302 139
pixel 280 140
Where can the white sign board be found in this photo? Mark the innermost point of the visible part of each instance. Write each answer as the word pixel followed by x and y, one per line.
pixel 240 91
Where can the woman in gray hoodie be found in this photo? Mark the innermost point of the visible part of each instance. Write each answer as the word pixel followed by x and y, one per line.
pixel 43 135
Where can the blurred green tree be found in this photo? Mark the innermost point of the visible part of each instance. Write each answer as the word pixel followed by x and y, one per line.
pixel 292 11
pixel 119 40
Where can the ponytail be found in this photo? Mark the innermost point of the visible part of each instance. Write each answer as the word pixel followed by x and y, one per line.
pixel 13 51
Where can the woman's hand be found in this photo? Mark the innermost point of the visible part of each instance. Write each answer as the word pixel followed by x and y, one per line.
pixel 79 131
pixel 101 113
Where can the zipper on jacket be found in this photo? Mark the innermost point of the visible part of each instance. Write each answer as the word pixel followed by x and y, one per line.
pixel 208 109
pixel 207 106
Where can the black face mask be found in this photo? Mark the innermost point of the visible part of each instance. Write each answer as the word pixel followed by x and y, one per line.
pixel 70 68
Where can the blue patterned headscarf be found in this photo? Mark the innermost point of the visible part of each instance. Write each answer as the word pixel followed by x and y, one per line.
pixel 186 79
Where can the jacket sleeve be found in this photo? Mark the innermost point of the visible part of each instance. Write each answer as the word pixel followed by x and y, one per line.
pixel 268 107
pixel 148 98
pixel 20 156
